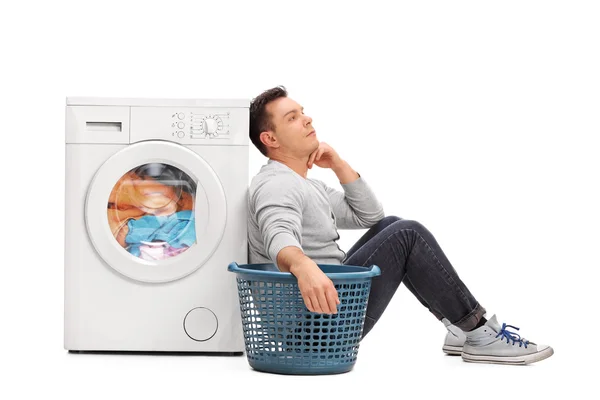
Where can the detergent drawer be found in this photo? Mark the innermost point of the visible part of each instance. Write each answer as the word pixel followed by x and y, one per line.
pixel 101 125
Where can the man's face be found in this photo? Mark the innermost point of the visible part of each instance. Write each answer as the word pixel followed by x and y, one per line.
pixel 294 133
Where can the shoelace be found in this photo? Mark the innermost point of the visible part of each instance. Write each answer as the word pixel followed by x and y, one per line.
pixel 516 338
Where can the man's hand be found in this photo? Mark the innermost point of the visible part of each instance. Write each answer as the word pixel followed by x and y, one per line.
pixel 318 291
pixel 325 157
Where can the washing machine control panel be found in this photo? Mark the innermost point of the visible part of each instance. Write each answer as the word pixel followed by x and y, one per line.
pixel 201 125
pixel 189 125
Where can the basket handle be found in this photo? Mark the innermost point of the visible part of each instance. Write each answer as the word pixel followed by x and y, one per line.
pixel 375 270
pixel 233 267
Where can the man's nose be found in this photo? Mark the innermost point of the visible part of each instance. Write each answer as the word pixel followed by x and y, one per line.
pixel 308 119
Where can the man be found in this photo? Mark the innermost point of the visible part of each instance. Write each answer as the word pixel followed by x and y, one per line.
pixel 293 222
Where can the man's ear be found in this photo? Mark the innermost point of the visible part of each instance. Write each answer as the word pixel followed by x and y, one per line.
pixel 269 139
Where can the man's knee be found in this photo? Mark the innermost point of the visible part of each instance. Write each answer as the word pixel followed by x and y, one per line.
pixel 409 224
pixel 386 221
pixel 399 224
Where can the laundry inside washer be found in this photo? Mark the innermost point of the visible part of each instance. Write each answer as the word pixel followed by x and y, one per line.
pixel 151 211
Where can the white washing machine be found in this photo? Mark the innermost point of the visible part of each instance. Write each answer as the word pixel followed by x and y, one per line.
pixel 155 212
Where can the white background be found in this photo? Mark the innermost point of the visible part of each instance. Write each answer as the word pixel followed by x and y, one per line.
pixel 478 119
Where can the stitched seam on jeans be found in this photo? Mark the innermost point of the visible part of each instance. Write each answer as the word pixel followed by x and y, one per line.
pixel 443 268
pixel 406 277
pixel 381 244
pixel 434 311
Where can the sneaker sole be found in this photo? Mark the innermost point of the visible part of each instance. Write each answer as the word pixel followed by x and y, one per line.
pixel 511 360
pixel 452 350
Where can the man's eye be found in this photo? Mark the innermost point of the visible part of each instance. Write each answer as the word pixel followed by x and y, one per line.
pixel 291 118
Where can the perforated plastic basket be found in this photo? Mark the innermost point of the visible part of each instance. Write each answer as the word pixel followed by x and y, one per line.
pixel 282 336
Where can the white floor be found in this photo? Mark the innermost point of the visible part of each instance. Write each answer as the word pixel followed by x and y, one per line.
pixel 394 362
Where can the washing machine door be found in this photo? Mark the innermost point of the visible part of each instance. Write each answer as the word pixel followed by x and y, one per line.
pixel 155 211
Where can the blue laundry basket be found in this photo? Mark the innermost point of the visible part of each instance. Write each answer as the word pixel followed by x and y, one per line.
pixel 282 336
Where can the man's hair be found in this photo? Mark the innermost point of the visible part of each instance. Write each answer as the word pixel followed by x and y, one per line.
pixel 260 119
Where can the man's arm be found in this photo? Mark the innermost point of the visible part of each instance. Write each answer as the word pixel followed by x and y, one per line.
pixel 317 290
pixel 356 207
pixel 345 173
pixel 291 258
pixel 278 201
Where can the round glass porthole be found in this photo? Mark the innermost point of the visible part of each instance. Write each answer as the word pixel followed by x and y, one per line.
pixel 151 211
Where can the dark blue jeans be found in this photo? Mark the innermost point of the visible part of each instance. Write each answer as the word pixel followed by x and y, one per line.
pixel 407 252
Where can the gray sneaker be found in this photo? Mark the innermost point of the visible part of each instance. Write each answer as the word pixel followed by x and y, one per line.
pixel 492 343
pixel 455 339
